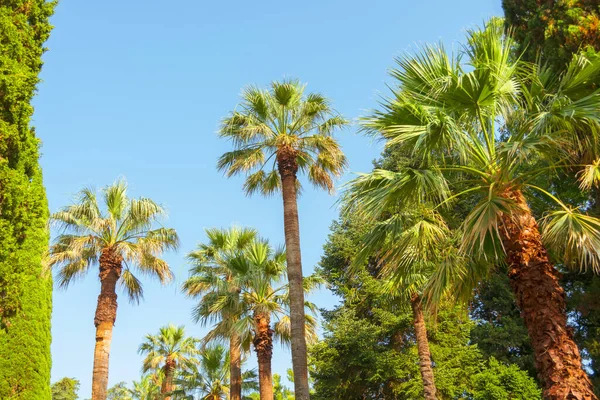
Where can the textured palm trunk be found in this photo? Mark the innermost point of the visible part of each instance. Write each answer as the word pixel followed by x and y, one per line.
pixel 541 299
pixel 106 314
pixel 263 345
pixel 235 368
pixel 167 384
pixel 286 162
pixel 423 349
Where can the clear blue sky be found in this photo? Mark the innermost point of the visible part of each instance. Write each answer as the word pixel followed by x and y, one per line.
pixel 137 88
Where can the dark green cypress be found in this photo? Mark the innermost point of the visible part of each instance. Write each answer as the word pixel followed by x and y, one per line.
pixel 25 288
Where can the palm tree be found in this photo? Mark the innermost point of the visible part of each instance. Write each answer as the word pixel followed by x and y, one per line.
pixel 254 272
pixel 209 379
pixel 167 351
pixel 295 133
pixel 117 238
pixel 217 270
pixel 409 245
pixel 474 130
pixel 267 309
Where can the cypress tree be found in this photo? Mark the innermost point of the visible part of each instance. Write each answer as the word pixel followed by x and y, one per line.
pixel 25 288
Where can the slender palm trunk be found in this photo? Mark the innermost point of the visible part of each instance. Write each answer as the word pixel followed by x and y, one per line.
pixel 423 349
pixel 167 383
pixel 286 162
pixel 106 314
pixel 263 345
pixel 235 368
pixel 541 299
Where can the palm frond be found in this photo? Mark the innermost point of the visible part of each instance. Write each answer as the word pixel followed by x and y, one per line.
pixel 132 286
pixel 574 237
pixel 382 189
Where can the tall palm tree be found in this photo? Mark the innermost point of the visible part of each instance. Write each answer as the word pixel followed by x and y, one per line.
pixel 409 245
pixel 276 134
pixel 209 378
pixel 474 130
pixel 167 351
pixel 117 238
pixel 216 270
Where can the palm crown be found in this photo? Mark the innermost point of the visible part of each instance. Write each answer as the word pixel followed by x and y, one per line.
pixel 124 228
pixel 475 128
pixel 411 249
pixel 234 276
pixel 169 346
pixel 217 274
pixel 209 378
pixel 282 128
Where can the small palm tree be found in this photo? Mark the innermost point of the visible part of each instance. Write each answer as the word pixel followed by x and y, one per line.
pixel 167 351
pixel 209 379
pixel 217 270
pixel 252 274
pixel 410 246
pixel 117 238
pixel 482 133
pixel 267 309
pixel 276 134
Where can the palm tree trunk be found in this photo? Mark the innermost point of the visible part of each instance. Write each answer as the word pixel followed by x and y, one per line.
pixel 423 349
pixel 286 162
pixel 541 299
pixel 235 368
pixel 263 345
pixel 106 314
pixel 167 383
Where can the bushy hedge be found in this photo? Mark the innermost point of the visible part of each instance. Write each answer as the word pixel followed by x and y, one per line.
pixel 25 290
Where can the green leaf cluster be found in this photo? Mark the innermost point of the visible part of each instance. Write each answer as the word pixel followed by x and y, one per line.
pixel 65 389
pixel 554 30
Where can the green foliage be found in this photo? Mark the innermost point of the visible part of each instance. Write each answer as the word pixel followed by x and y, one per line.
pixel 282 392
pixel 554 30
pixel 499 331
pixel 501 382
pixel 25 291
pixel 66 389
pixel 583 304
pixel 369 349
pixel 148 388
pixel 119 392
pixel 357 360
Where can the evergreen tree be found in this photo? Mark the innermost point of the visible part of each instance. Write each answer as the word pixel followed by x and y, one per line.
pixel 553 30
pixel 25 290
